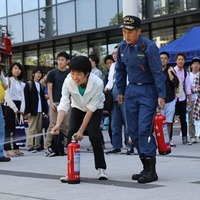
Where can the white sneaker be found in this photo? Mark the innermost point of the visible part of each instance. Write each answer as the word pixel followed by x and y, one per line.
pixel 193 140
pixel 102 175
pixel 64 179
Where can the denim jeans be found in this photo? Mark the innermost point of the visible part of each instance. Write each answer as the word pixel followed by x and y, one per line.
pixel 2 132
pixel 118 119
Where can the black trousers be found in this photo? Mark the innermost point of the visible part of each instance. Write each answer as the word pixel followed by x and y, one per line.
pixel 10 123
pixel 181 111
pixel 75 121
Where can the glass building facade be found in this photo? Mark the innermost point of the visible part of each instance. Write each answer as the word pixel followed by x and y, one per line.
pixel 40 29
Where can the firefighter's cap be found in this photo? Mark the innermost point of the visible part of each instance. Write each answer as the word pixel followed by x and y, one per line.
pixel 131 22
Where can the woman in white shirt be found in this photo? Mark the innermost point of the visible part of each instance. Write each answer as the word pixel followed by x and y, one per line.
pixel 14 105
pixel 84 91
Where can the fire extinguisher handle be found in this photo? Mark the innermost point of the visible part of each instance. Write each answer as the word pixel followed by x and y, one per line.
pixel 74 138
pixel 158 110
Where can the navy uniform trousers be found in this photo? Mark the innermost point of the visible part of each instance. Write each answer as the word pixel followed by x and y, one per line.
pixel 141 102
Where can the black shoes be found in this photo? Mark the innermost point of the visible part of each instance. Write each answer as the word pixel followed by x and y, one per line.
pixel 4 159
pixel 113 151
pixel 148 174
pixel 130 151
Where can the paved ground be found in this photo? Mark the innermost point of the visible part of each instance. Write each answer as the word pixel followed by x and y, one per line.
pixel 36 177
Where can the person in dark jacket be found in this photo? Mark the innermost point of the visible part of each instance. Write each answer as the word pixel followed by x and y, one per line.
pixel 170 101
pixel 35 106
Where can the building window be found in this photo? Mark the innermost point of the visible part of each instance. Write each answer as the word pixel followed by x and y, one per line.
pixel 14 6
pixel 2 8
pixel 61 1
pixel 30 5
pixel 17 57
pixel 46 59
pixel 99 48
pixel 66 18
pixel 31 27
pixel 30 61
pixel 47 22
pixel 85 10
pixel 162 36
pixel 15 28
pixel 113 42
pixel 79 49
pixel 107 13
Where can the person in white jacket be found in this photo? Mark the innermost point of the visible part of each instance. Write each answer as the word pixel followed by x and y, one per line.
pixel 84 91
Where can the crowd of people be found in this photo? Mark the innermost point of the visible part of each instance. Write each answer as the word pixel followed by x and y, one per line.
pixel 69 100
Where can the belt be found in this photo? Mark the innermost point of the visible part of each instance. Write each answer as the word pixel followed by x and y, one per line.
pixel 139 84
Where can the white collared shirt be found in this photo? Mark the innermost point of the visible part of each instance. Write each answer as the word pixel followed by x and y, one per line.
pixel 92 99
pixel 15 92
pixel 111 80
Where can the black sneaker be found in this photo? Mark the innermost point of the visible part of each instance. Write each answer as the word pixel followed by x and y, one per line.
pixel 130 151
pixel 113 151
pixel 30 149
pixel 40 149
pixel 4 159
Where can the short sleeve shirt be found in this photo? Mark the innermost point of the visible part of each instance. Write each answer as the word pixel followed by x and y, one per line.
pixel 57 77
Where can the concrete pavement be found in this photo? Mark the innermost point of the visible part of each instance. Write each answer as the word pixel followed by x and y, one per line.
pixel 36 177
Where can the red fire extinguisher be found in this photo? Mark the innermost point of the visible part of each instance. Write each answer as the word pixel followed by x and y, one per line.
pixel 161 133
pixel 73 162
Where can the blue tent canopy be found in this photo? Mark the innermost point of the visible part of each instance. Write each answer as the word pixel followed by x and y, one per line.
pixel 189 43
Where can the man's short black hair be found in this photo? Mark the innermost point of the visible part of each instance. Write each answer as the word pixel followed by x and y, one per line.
pixel 165 53
pixel 80 64
pixel 37 69
pixel 63 54
pixel 108 57
pixel 180 54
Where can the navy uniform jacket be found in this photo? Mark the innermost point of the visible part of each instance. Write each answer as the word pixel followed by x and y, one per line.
pixel 141 62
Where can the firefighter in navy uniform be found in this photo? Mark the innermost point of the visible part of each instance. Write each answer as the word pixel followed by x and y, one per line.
pixel 138 61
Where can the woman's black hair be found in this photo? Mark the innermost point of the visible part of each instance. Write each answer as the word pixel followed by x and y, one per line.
pixel 20 77
pixel 80 64
pixel 35 70
pixel 94 58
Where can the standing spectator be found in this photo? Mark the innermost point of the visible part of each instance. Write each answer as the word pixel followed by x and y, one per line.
pixel 181 102
pixel 87 101
pixel 171 82
pixel 118 115
pixel 195 66
pixel 95 62
pixel 55 79
pixel 2 129
pixel 196 89
pixel 14 106
pixel 138 60
pixel 35 106
pixel 108 61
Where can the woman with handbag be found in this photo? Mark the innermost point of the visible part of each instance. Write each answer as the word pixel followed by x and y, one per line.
pixel 14 105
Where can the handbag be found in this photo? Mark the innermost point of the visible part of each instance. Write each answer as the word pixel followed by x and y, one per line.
pixel 20 132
